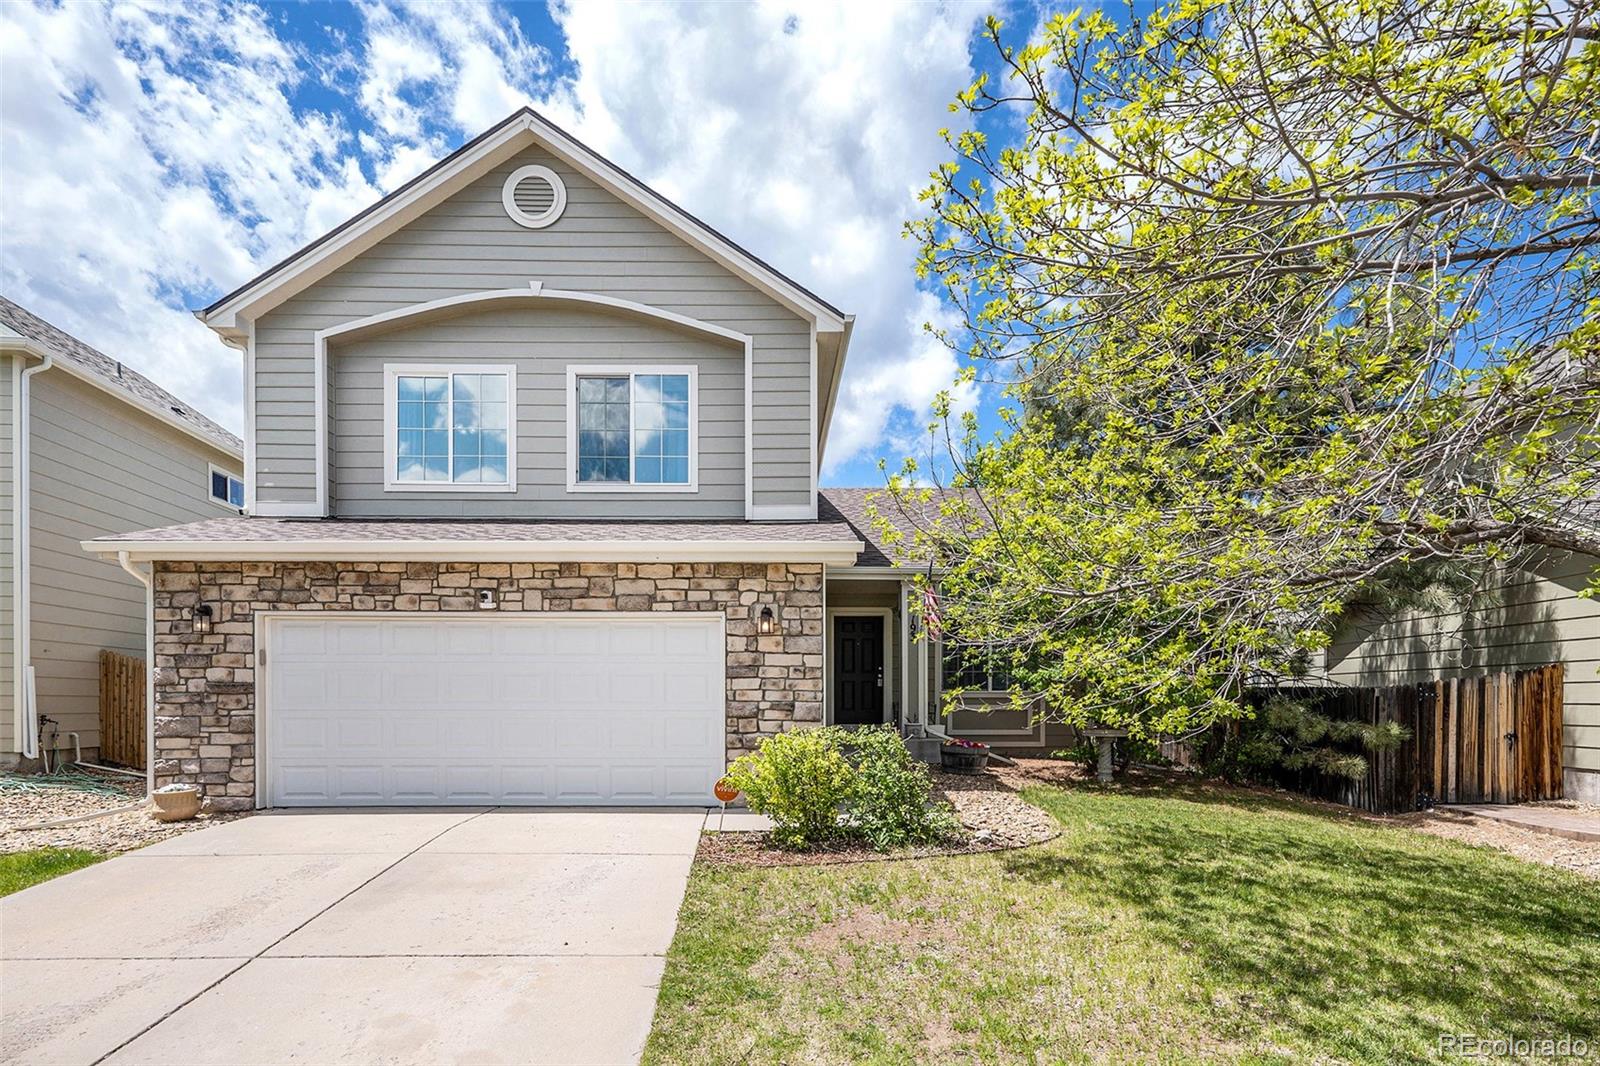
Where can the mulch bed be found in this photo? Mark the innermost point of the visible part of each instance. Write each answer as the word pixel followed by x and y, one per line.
pixel 993 818
pixel 27 799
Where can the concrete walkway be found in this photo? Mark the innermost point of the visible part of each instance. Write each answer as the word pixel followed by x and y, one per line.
pixel 485 936
pixel 1552 821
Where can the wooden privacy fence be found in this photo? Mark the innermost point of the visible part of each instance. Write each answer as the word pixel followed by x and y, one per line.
pixel 1490 739
pixel 122 688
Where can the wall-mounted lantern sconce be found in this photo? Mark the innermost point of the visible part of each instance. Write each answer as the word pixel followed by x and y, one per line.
pixel 768 625
pixel 201 618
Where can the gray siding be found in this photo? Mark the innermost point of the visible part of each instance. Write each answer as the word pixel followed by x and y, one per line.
pixel 7 682
pixel 467 244
pixel 1536 618
pixel 540 341
pixel 98 466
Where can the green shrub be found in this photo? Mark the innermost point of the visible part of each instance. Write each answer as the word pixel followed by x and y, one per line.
pixel 888 803
pixel 799 780
pixel 804 779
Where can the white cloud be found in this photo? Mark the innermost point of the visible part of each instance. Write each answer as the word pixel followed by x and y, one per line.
pixel 806 146
pixel 149 152
pixel 155 152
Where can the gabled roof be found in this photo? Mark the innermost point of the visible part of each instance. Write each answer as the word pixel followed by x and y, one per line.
pixel 22 329
pixel 521 129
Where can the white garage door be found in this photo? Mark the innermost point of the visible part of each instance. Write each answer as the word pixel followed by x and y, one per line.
pixel 583 709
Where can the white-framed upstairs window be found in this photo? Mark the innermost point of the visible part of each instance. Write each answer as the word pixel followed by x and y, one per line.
pixel 449 427
pixel 633 429
pixel 226 489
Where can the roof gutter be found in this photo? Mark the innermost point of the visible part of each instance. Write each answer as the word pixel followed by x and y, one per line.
pixel 828 553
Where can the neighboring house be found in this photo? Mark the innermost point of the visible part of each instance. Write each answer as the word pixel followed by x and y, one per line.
pixel 532 514
pixel 1536 617
pixel 91 447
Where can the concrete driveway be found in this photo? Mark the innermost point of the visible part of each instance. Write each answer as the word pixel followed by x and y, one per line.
pixel 482 936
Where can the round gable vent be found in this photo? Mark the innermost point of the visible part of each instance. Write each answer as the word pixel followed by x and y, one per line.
pixel 534 196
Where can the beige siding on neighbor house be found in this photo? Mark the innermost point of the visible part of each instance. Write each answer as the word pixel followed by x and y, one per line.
pixel 468 244
pixel 7 563
pixel 98 466
pixel 540 341
pixel 1535 619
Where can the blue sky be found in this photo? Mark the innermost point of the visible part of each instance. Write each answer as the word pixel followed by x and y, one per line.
pixel 155 157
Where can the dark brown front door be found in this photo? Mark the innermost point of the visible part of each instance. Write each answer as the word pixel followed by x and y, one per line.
pixel 858 669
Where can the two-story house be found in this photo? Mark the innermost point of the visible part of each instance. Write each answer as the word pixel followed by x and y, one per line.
pixel 531 509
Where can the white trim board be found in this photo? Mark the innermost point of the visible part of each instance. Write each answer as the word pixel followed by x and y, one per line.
pixel 886 615
pixel 516 133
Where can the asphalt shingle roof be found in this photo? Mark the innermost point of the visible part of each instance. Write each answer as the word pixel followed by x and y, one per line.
pixel 140 390
pixel 251 530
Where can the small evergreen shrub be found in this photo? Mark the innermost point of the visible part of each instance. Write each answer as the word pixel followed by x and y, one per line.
pixel 888 804
pixel 799 780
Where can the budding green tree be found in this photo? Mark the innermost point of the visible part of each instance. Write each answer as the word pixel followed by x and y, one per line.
pixel 1287 300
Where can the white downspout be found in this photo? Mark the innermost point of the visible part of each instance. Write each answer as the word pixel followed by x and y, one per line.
pixel 26 714
pixel 149 669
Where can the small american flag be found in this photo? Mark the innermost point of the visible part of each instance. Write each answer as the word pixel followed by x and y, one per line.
pixel 931 618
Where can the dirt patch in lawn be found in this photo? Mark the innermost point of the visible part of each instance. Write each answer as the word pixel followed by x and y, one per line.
pixel 993 818
pixel 866 926
pixel 31 799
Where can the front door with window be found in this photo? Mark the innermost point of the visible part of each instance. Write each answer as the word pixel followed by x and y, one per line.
pixel 858 670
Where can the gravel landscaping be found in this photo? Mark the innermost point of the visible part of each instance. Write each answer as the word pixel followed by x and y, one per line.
pixel 1581 857
pixel 31 799
pixel 993 818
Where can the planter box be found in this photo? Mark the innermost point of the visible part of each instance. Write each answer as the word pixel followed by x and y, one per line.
pixel 959 760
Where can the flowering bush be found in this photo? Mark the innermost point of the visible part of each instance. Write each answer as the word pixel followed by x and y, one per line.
pixel 962 742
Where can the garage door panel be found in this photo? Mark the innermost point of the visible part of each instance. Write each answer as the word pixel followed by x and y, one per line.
pixel 521 783
pixel 526 736
pixel 353 639
pixel 549 709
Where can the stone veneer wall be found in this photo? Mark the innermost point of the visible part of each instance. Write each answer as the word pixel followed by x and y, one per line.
pixel 205 683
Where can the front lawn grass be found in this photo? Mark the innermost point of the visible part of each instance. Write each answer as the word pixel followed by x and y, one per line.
pixel 20 869
pixel 1172 923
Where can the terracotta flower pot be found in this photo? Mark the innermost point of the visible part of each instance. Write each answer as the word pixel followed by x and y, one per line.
pixel 178 805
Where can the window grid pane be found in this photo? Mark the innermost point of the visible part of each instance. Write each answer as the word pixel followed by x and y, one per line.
pixel 439 434
pixel 603 419
pixel 661 435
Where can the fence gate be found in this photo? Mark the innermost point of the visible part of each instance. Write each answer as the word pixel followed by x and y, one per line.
pixel 122 688
pixel 1489 739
